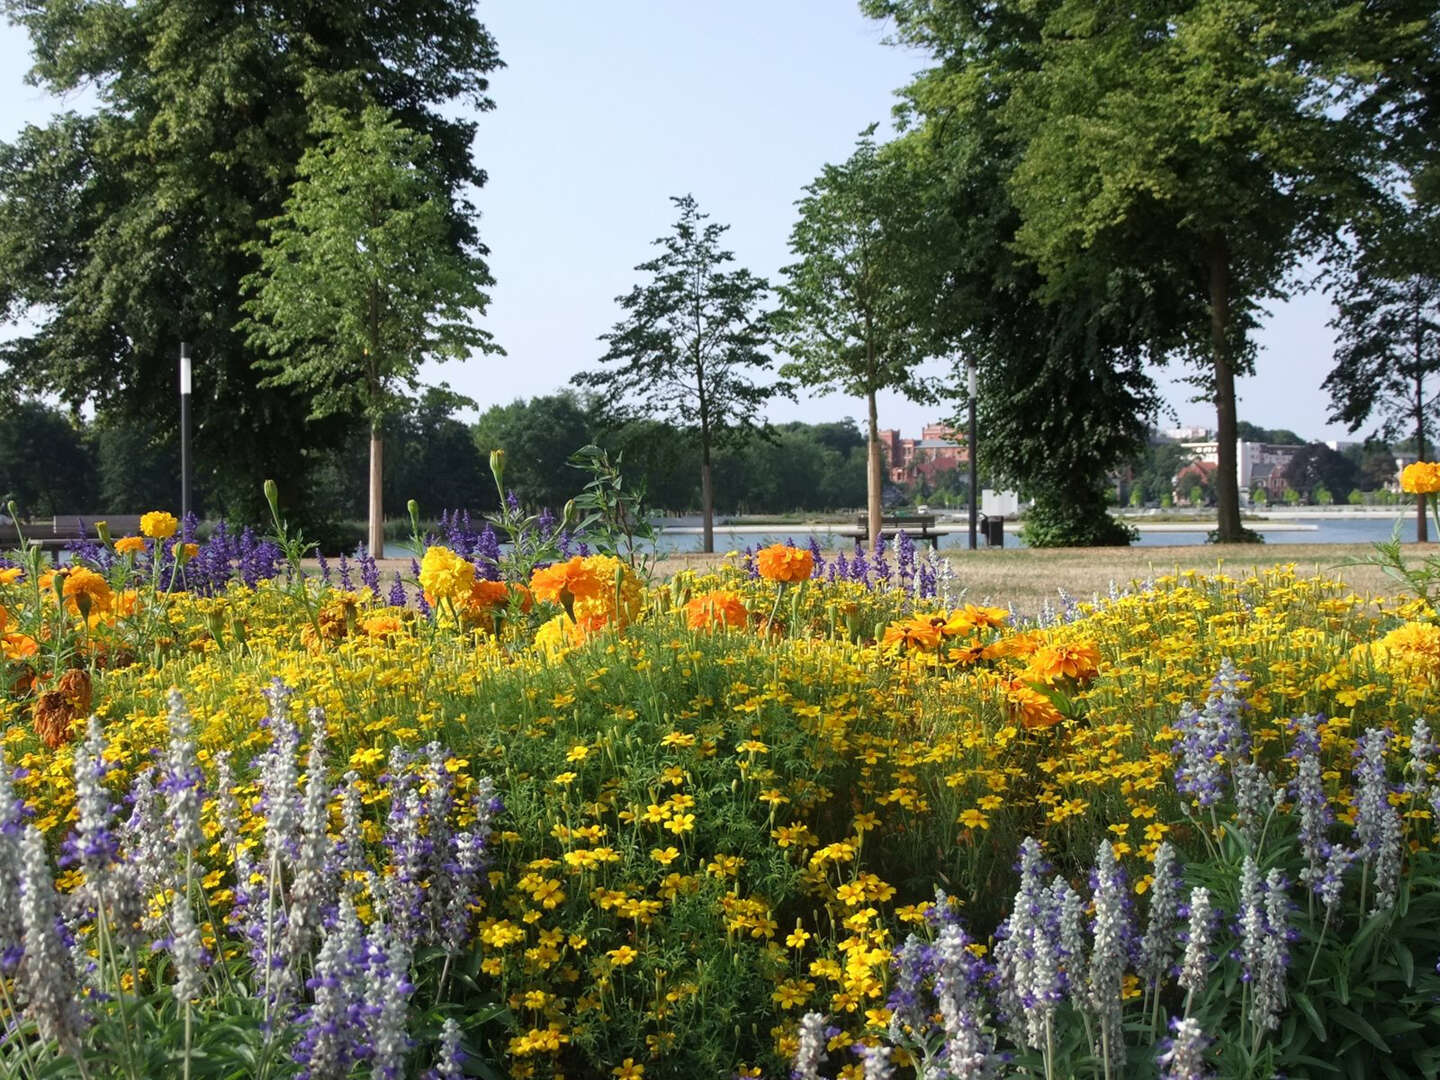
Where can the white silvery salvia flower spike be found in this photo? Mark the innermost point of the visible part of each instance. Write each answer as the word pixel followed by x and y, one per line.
pixel 46 979
pixel 1158 946
pixel 327 1045
pixel 1108 957
pixel 957 983
pixel 449 1059
pixel 352 835
pixel 810 1048
pixel 1377 824
pixel 1422 749
pixel 1071 909
pixel 1195 967
pixel 227 807
pixel 183 782
pixel 387 997
pixel 148 852
pixel 278 776
pixel 187 951
pixel 1267 986
pixel 311 884
pixel 1183 1057
pixel 96 844
pixel 1252 920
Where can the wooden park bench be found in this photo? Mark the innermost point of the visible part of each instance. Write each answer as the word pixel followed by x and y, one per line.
pixel 920 527
pixel 53 534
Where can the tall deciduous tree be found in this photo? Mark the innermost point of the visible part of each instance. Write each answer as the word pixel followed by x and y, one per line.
pixel 357 284
pixel 854 304
pixel 690 342
pixel 1200 147
pixel 122 231
pixel 1387 356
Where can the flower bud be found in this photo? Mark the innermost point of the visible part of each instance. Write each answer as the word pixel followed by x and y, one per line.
pixel 497 467
pixel 272 495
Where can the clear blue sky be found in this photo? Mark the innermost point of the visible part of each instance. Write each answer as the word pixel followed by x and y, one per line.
pixel 605 110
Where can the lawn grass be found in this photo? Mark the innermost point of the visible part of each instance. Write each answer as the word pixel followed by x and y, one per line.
pixel 1027 577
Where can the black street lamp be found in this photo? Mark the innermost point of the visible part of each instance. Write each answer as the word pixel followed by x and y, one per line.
pixel 184 430
pixel 974 517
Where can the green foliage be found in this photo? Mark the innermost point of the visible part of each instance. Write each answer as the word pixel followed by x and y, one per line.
pixel 538 437
pixel 47 462
pixel 1074 516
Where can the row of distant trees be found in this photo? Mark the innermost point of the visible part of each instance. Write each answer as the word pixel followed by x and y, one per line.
pixel 52 463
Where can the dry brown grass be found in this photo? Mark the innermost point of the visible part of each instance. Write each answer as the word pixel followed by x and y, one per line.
pixel 1027 577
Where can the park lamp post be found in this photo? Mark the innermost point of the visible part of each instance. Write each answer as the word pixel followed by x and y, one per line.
pixel 974 392
pixel 184 430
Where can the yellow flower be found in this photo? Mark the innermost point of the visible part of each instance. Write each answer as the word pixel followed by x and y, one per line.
pixel 624 956
pixel 445 575
pixel 974 819
pixel 159 525
pixel 628 1070
pixel 130 545
pixel 1423 477
pixel 664 856
pixel 86 591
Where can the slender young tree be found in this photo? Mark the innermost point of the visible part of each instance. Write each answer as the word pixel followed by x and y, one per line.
pixel 853 305
pixel 692 338
pixel 357 284
pixel 1387 356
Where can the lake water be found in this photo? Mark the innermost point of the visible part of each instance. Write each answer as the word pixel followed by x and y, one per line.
pixel 683 534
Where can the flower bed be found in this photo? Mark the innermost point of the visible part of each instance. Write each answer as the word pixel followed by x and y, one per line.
pixel 727 800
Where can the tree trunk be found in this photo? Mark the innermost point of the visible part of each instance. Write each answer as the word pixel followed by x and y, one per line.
pixel 1422 527
pixel 875 475
pixel 1227 483
pixel 707 493
pixel 376 541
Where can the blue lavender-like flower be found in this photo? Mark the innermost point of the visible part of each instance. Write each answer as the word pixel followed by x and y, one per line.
pixel 882 564
pixel 324 565
pixel 841 567
pixel 1182 1057
pixel 346 582
pixel 369 569
pixel 860 567
pixel 905 557
pixel 1307 793
pixel 817 558
pixel 1377 824
pixel 1212 737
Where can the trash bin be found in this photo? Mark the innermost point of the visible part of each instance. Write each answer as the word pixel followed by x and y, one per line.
pixel 993 526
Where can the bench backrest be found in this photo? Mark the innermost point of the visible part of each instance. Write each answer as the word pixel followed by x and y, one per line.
pixel 891 521
pixel 69 527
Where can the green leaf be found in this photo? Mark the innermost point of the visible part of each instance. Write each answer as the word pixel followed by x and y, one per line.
pixel 1352 1020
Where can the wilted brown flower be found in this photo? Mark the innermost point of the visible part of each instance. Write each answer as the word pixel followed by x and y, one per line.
pixel 57 710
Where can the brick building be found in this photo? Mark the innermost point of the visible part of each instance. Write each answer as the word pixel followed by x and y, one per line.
pixel 939 449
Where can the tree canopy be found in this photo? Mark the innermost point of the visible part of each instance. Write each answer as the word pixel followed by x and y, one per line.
pixel 123 231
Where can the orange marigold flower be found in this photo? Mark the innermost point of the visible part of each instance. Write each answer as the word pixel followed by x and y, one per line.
pixel 486 594
pixel 1423 477
pixel 159 525
pixel 86 591
pixel 18 646
pixel 716 608
pixel 130 545
pixel 781 562
pixel 1076 660
pixel 9 575
pixel 575 578
pixel 919 632
pixel 383 624
pixel 1034 710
